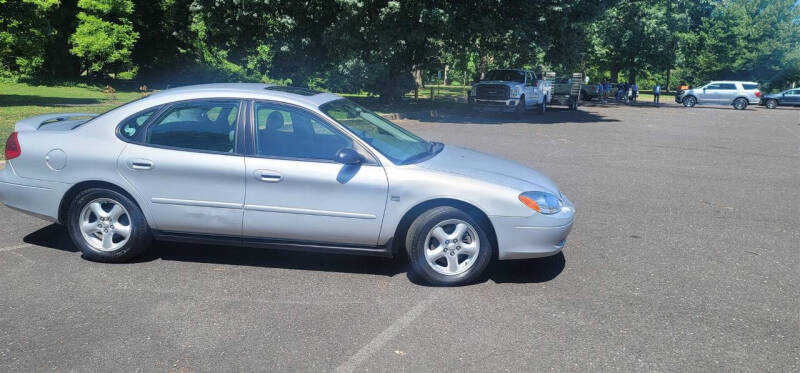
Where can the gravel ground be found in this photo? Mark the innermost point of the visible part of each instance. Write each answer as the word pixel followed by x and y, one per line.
pixel 684 257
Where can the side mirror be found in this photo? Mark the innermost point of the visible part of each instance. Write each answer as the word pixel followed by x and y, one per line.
pixel 348 156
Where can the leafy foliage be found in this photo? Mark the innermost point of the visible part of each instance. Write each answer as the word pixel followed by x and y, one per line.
pixel 388 47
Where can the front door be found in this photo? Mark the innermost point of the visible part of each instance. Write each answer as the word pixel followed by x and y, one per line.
pixel 184 166
pixel 708 95
pixel 792 97
pixel 296 192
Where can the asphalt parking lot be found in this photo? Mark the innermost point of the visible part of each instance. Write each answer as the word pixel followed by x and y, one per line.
pixel 685 256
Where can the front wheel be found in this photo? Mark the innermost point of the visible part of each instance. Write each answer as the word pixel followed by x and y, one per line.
pixel 689 101
pixel 771 104
pixel 448 247
pixel 107 226
pixel 740 103
pixel 521 107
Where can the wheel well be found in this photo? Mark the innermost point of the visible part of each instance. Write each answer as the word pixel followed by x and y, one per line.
pixel 399 240
pixel 63 207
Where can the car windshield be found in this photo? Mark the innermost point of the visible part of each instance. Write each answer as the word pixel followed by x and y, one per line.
pixel 505 75
pixel 394 142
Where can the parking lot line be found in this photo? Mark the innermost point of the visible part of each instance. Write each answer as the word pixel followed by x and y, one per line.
pixel 385 336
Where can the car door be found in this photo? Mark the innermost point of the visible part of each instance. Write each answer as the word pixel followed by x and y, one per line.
pixel 727 92
pixel 294 189
pixel 185 165
pixel 708 94
pixel 530 89
pixel 792 97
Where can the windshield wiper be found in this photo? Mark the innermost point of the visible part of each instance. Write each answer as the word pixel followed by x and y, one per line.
pixel 433 149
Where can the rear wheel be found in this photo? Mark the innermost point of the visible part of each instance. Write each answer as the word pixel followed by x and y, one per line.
pixel 107 226
pixel 448 247
pixel 771 104
pixel 689 101
pixel 740 103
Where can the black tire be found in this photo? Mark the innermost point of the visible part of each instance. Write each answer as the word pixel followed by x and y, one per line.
pixel 415 246
pixel 138 241
pixel 689 101
pixel 771 104
pixel 740 103
pixel 519 111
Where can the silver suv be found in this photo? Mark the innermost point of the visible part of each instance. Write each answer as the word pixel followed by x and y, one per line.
pixel 737 94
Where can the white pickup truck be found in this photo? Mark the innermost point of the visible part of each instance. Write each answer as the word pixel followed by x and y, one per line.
pixel 511 90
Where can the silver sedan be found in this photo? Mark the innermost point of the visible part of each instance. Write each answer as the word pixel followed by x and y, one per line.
pixel 278 167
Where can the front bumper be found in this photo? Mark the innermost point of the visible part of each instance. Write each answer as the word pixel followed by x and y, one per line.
pixel 533 236
pixel 496 105
pixel 34 197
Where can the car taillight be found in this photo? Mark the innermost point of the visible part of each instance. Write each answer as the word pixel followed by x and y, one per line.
pixel 12 147
pixel 758 93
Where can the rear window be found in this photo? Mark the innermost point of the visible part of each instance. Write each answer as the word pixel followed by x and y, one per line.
pixel 750 86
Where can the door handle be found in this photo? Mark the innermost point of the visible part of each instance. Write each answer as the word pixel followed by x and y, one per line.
pixel 140 164
pixel 268 176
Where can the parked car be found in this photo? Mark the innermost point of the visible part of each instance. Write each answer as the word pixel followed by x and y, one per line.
pixel 789 97
pixel 511 90
pixel 279 167
pixel 736 94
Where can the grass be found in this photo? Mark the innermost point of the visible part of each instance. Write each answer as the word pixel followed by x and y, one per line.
pixel 20 100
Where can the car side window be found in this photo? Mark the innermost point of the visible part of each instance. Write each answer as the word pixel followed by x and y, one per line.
pixel 196 125
pixel 285 132
pixel 130 127
pixel 795 92
pixel 727 86
pixel 750 86
pixel 713 86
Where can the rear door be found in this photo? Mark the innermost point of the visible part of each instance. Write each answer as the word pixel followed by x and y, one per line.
pixel 294 189
pixel 186 165
pixel 727 92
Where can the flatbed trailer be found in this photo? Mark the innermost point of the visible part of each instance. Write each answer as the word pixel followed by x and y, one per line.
pixel 568 91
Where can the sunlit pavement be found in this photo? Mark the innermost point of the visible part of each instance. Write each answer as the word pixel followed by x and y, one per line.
pixel 685 256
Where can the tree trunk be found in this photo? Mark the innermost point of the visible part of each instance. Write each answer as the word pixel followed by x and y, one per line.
pixel 614 74
pixel 418 78
pixel 666 86
pixel 632 75
pixel 446 68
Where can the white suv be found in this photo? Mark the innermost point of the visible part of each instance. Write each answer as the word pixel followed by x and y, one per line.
pixel 737 94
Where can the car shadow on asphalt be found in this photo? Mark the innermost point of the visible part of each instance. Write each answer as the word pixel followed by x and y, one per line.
pixel 514 271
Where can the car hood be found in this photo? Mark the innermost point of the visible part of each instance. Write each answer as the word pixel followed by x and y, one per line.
pixel 488 168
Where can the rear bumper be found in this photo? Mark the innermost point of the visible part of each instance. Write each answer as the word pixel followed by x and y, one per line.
pixel 34 197
pixel 535 236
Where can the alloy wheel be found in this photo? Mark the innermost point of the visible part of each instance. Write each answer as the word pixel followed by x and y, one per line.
pixel 105 224
pixel 452 247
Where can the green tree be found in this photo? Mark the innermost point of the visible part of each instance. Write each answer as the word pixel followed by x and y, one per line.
pixel 104 37
pixel 24 34
pixel 748 40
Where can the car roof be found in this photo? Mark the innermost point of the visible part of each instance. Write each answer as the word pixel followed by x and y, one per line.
pixel 248 90
pixel 732 81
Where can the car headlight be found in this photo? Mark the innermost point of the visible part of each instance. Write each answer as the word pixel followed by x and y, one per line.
pixel 541 202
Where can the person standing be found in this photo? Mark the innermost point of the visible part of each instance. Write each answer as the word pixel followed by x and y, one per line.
pixel 635 89
pixel 656 93
pixel 600 90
